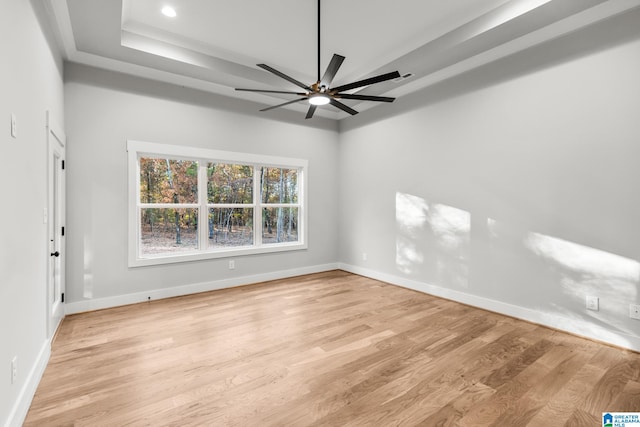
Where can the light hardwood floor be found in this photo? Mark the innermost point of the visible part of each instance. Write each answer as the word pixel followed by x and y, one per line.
pixel 329 349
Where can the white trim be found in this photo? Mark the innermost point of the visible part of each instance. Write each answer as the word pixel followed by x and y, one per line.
pixel 552 320
pixel 203 211
pixel 217 253
pixel 190 153
pixel 63 30
pixel 257 212
pixel 21 406
pixel 54 127
pixel 56 221
pixel 193 288
pixel 168 205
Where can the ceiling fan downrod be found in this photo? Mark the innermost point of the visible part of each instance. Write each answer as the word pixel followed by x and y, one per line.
pixel 318 41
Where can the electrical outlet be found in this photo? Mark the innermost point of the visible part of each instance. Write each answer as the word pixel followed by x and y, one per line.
pixel 364 256
pixel 14 369
pixel 592 303
pixel 634 311
pixel 232 265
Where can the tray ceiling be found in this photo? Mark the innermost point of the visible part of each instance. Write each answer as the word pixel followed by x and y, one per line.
pixel 214 45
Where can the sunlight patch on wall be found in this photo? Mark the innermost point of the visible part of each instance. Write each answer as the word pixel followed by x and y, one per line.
pixel 450 225
pixel 411 217
pixel 492 227
pixel 87 289
pixel 567 320
pixel 411 212
pixel 587 270
pixel 434 239
pixel 407 255
pixel 451 228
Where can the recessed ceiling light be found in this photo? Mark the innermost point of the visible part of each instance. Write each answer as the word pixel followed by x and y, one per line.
pixel 169 11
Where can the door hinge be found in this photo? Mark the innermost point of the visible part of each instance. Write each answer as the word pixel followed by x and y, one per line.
pixel 63 231
pixel 63 165
pixel 62 297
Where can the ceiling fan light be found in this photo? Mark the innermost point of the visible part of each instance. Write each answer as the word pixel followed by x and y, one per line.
pixel 319 99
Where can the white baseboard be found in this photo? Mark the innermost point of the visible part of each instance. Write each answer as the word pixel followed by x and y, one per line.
pixel 561 322
pixel 558 321
pixel 23 402
pixel 193 288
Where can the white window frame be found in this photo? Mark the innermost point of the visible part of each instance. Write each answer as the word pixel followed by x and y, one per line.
pixel 141 149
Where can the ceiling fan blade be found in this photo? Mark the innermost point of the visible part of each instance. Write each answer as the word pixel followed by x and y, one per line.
pixel 312 109
pixel 283 104
pixel 365 97
pixel 366 82
pixel 271 91
pixel 332 69
pixel 284 76
pixel 343 107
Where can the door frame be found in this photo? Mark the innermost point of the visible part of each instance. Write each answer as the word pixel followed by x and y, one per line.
pixel 56 219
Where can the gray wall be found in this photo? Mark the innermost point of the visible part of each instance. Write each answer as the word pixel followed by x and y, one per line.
pixel 30 84
pixel 104 109
pixel 514 187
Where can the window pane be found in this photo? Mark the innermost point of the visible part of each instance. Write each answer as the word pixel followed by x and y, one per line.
pixel 168 231
pixel 279 225
pixel 229 183
pixel 168 181
pixel 230 227
pixel 279 185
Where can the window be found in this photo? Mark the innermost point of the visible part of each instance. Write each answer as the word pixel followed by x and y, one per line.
pixel 279 205
pixel 168 202
pixel 188 204
pixel 231 205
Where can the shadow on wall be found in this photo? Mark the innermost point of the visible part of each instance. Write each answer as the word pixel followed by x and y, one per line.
pixel 435 244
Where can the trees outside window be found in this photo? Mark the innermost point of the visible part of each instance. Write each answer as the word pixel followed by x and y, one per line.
pixel 231 205
pixel 279 194
pixel 168 202
pixel 247 203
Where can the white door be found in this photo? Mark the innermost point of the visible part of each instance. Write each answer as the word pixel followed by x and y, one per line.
pixel 56 220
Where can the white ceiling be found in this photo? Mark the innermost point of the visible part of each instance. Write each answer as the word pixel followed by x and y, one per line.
pixel 284 32
pixel 214 45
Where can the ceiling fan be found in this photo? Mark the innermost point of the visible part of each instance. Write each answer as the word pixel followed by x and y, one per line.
pixel 320 92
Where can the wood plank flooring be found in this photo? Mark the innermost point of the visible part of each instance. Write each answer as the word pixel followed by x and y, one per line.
pixel 329 349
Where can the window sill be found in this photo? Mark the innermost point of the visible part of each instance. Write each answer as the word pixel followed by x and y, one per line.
pixel 214 254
